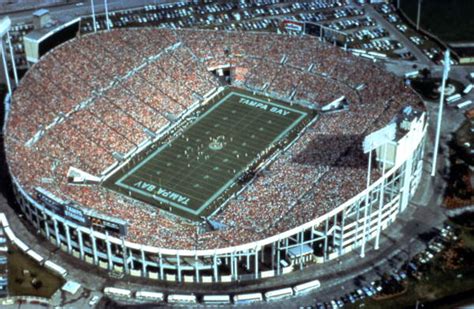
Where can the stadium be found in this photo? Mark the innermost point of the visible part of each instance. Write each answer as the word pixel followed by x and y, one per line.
pixel 211 156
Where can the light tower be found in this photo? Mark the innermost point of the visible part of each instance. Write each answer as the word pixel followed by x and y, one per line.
pixel 93 15
pixel 418 15
pixel 447 67
pixel 107 20
pixel 5 25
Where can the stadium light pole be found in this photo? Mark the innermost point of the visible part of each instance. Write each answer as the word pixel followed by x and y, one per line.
pixel 5 67
pixel 107 21
pixel 93 15
pixel 418 15
pixel 447 66
pixel 5 24
pixel 12 56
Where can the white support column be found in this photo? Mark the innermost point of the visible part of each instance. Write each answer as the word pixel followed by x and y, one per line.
pixel 423 145
pixel 12 57
pixel 381 198
pixel 301 240
pixel 278 258
pixel 5 67
pixel 357 215
pixel 256 263
pixel 214 265
pixel 235 261
pixel 46 225
pixel 326 227
pixel 162 271
pixel 109 252
pixel 125 257
pixel 131 260
pixel 405 190
pixel 144 272
pixel 81 244
pixel 178 264
pixel 56 232
pixel 341 233
pixel 196 268
pixel 273 256
pixel 68 238
pixel 248 260
pixel 231 262
pixel 94 248
pixel 366 208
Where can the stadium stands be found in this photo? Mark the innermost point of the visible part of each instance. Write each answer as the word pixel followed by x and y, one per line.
pixel 96 96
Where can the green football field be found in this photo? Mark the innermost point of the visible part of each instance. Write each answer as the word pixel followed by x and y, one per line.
pixel 200 166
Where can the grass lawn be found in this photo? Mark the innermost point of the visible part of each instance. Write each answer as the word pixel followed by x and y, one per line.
pixel 20 282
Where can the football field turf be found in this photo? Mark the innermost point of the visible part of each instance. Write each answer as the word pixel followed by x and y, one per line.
pixel 207 159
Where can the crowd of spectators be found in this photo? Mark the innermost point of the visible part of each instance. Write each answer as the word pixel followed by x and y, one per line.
pixel 97 95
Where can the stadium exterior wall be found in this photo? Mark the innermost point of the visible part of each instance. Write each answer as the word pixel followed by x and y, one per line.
pixel 345 228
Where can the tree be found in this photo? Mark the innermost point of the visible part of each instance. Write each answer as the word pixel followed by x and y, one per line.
pixel 426 73
pixel 37 284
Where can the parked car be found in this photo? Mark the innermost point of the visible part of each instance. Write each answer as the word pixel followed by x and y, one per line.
pixel 94 300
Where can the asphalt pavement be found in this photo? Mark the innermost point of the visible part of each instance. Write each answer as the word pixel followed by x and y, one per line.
pixel 420 56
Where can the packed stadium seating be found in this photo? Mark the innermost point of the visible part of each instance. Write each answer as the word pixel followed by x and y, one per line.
pixel 96 95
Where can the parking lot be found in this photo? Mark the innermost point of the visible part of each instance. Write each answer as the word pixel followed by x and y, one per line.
pixel 367 28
